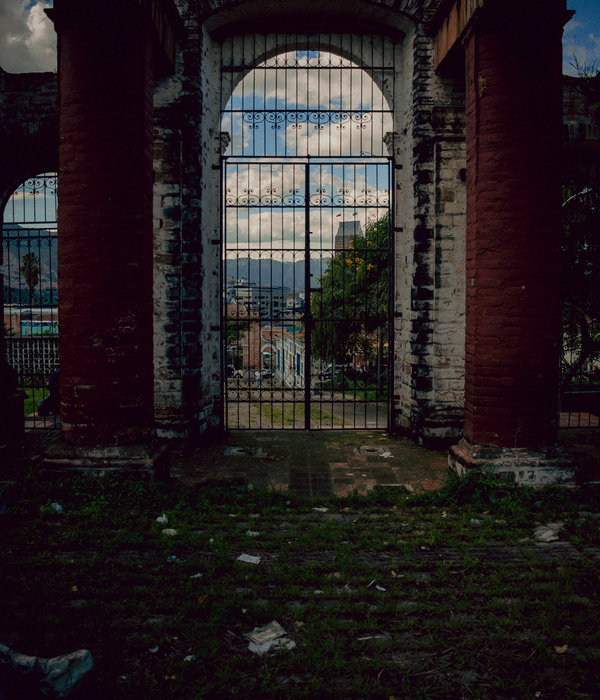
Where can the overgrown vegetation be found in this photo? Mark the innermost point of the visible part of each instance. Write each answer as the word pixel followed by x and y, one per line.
pixel 444 594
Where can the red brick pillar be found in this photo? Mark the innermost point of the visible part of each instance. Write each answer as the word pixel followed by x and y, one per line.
pixel 513 72
pixel 105 222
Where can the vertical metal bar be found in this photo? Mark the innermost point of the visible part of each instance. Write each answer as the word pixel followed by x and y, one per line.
pixel 222 295
pixel 390 310
pixel 307 287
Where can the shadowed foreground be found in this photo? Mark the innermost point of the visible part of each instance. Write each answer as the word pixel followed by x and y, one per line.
pixel 477 590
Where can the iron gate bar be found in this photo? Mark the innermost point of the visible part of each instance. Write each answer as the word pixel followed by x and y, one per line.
pixel 350 72
pixel 299 107
pixel 307 298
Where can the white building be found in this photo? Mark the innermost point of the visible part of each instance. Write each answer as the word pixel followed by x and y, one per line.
pixel 268 301
pixel 289 360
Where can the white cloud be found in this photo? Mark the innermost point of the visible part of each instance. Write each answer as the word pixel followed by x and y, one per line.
pixel 284 111
pixel 29 39
pixel 256 220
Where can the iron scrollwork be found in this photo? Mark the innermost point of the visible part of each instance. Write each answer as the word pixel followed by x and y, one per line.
pixel 272 197
pixel 298 118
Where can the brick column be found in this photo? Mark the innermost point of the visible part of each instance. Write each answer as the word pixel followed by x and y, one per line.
pixel 513 105
pixel 105 223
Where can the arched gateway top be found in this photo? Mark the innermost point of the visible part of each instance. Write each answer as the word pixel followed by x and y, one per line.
pixel 368 15
pixel 307 94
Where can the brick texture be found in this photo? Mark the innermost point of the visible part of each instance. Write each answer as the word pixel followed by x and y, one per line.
pixel 513 225
pixel 105 224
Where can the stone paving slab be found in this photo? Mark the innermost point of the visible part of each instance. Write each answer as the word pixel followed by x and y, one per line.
pixel 313 463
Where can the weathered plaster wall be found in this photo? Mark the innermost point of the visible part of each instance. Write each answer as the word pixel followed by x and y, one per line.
pixel 430 219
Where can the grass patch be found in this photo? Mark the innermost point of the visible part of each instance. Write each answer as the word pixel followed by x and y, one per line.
pixel 440 595
pixel 291 413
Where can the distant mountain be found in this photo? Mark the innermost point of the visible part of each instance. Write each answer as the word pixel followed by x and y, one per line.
pixel 274 273
pixel 18 241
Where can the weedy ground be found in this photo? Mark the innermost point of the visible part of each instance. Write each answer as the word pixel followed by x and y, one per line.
pixel 443 595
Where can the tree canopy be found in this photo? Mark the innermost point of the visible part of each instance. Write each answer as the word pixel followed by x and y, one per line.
pixel 351 307
pixel 30 269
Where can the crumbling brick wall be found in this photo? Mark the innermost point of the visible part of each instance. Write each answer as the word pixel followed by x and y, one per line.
pixel 28 128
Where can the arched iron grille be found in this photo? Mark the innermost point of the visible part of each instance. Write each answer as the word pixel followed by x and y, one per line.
pixel 307 95
pixel 306 196
pixel 29 272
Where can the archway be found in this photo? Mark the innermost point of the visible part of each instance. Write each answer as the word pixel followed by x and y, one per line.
pixel 29 272
pixel 306 235
pixel 425 149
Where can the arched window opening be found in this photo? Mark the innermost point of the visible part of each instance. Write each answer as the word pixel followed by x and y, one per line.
pixel 29 272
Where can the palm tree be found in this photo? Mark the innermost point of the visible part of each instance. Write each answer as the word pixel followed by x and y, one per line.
pixel 30 269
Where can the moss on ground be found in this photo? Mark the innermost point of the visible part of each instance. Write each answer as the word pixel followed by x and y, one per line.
pixel 442 595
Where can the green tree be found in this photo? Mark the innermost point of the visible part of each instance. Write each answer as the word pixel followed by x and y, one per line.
pixel 30 269
pixel 351 307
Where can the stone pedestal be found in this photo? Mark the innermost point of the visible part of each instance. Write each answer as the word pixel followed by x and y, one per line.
pixel 136 461
pixel 526 466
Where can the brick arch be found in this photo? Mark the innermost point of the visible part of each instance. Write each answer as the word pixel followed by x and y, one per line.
pixel 29 138
pixel 29 145
pixel 216 13
pixel 187 385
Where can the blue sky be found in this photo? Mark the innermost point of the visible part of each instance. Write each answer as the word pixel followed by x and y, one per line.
pixel 581 37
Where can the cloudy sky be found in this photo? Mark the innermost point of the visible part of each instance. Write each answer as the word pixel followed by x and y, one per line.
pixel 27 37
pixel 28 41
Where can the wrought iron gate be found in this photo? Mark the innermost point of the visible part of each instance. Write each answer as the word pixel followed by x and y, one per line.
pixel 307 125
pixel 580 356
pixel 306 287
pixel 29 271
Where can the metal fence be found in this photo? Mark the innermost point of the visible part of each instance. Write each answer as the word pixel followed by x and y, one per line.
pixel 580 370
pixel 306 260
pixel 580 360
pixel 306 178
pixel 29 272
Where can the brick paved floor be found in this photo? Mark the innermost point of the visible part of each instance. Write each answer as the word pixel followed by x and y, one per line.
pixel 313 463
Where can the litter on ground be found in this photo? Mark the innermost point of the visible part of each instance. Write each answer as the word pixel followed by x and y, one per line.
pixel 270 637
pixel 249 559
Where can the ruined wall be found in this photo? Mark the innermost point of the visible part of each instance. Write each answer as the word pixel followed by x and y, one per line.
pixel 428 227
pixel 430 218
pixel 179 410
pixel 28 128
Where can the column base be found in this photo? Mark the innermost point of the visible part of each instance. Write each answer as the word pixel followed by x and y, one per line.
pixel 522 465
pixel 134 461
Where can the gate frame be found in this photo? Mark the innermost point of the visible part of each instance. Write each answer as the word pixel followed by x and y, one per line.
pixel 308 162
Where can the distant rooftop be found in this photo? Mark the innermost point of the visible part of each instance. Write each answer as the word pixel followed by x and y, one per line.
pixel 346 232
